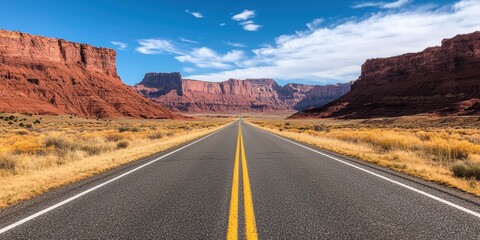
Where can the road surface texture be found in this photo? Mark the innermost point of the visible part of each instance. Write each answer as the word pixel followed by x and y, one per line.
pixel 244 183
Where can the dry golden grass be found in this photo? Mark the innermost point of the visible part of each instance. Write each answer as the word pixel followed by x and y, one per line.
pixel 444 150
pixel 57 150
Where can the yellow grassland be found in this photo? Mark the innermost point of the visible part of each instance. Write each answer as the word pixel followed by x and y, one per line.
pixel 443 150
pixel 46 152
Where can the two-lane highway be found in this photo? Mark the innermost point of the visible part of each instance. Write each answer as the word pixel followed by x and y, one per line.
pixel 244 183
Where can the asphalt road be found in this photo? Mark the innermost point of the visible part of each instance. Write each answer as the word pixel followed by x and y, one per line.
pixel 246 184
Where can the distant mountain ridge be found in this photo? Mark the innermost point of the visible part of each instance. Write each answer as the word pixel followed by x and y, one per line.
pixel 442 80
pixel 234 95
pixel 44 75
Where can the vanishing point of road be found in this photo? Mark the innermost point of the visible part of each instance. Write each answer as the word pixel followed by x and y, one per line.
pixel 244 183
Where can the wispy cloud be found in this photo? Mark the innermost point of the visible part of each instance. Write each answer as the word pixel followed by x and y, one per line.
pixel 207 58
pixel 314 24
pixel 250 26
pixel 245 15
pixel 188 40
pixel 222 24
pixel 336 53
pixel 245 19
pixel 188 69
pixel 396 4
pixel 202 57
pixel 195 14
pixel 120 45
pixel 156 46
pixel 235 44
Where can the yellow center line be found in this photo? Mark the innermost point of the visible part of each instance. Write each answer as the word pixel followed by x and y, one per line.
pixel 232 233
pixel 250 226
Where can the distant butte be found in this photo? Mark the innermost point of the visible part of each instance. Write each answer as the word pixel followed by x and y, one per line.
pixel 250 95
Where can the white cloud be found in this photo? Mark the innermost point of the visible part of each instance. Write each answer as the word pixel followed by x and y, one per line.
pixel 314 24
pixel 245 20
pixel 188 40
pixel 222 24
pixel 207 58
pixel 250 26
pixel 188 69
pixel 336 53
pixel 200 57
pixel 120 45
pixel 156 46
pixel 234 44
pixel 245 15
pixel 195 14
pixel 396 4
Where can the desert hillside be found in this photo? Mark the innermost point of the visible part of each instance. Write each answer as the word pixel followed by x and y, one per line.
pixel 43 75
pixel 442 80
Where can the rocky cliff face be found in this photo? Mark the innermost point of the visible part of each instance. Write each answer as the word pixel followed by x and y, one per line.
pixel 250 95
pixel 155 85
pixel 52 76
pixel 441 80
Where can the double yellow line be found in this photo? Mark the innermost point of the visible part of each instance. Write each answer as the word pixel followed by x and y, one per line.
pixel 250 226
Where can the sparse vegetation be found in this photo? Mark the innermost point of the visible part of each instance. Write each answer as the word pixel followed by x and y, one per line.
pixel 445 150
pixel 128 129
pixel 122 144
pixel 59 150
pixel 467 170
pixel 7 162
pixel 156 135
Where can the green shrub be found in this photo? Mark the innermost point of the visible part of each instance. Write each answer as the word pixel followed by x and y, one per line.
pixel 129 129
pixel 123 129
pixel 466 170
pixel 135 129
pixel 320 128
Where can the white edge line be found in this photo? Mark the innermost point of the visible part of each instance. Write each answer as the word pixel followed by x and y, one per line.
pixel 46 210
pixel 451 204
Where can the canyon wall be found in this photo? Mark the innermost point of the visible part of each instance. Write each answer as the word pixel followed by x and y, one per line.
pixel 43 75
pixel 250 95
pixel 442 80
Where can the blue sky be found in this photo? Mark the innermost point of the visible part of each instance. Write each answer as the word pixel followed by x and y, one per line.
pixel 290 41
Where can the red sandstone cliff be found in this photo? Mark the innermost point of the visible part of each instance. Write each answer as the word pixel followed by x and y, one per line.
pixel 52 76
pixel 250 95
pixel 441 80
